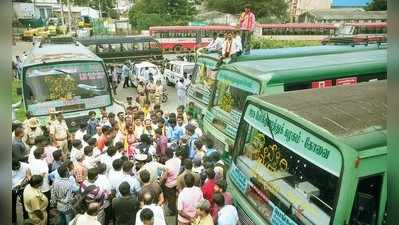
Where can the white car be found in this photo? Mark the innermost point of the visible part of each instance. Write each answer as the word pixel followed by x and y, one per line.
pixel 139 70
pixel 175 70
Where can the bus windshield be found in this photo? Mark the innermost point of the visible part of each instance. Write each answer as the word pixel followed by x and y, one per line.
pixel 204 76
pixel 189 69
pixel 229 97
pixel 66 87
pixel 289 170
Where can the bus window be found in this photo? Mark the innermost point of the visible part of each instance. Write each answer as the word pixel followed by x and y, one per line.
pixel 367 200
pixel 138 46
pixel 146 45
pixel 114 47
pixel 127 47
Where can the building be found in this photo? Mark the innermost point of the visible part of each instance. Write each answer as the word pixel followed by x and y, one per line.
pixel 337 16
pixel 298 7
pixel 349 3
pixel 123 6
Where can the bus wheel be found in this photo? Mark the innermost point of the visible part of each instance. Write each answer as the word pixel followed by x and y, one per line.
pixel 168 82
pixel 177 49
pixel 164 98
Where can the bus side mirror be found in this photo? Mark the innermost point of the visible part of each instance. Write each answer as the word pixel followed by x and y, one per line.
pixel 364 211
pixel 19 91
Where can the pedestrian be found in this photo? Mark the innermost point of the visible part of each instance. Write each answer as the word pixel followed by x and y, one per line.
pixel 221 187
pixel 247 26
pixel 35 201
pixel 60 134
pixel 20 179
pixel 192 138
pixel 103 183
pixel 114 75
pixel 188 166
pixel 169 180
pixel 203 216
pixel 150 214
pixel 125 75
pixel 38 166
pixel 227 214
pixel 81 131
pixel 19 149
pixel 76 149
pixel 58 160
pixel 79 170
pixel 130 141
pixel 154 187
pixel 32 131
pixel 89 160
pixel 62 196
pixel 229 47
pixel 181 92
pixel 129 177
pixel 174 132
pixel 105 137
pixel 126 206
pixel 92 123
pixel 208 188
pixel 161 145
pixel 187 200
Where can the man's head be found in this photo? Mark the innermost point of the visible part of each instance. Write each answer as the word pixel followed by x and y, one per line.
pixel 214 35
pixel 92 142
pixel 92 174
pixel 101 168
pixel 36 181
pixel 169 153
pixel 88 150
pixel 92 115
pixel 147 216
pixel 63 171
pixel 158 132
pixel 145 176
pixel 190 129
pixel 247 8
pixel 57 155
pixel 117 164
pixel 220 186
pixel 19 132
pixel 92 209
pixel 106 130
pixel 189 180
pixel 124 188
pixel 41 141
pixel 180 110
pixel 148 197
pixel 210 173
pixel 82 126
pixel 203 208
pixel 60 116
pixel 180 120
pixel 111 151
pixel 77 144
pixel 218 199
pixel 127 166
pixel 38 153
pixel 188 164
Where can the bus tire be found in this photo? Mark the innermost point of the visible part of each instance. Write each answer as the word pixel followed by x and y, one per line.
pixel 168 82
pixel 177 48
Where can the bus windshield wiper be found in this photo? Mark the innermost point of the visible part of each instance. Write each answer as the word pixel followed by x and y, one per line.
pixel 62 71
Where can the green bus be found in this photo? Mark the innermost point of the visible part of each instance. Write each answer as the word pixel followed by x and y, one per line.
pixel 65 77
pixel 119 49
pixel 312 157
pixel 236 81
pixel 201 88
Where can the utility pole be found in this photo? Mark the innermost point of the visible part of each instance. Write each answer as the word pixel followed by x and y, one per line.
pixel 62 13
pixel 69 16
pixel 99 9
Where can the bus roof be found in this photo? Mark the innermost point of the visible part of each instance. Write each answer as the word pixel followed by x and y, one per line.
pixel 115 39
pixel 369 25
pixel 258 54
pixel 318 67
pixel 47 53
pixel 355 115
pixel 297 25
pixel 191 28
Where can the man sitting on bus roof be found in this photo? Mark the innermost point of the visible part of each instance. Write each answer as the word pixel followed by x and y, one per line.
pixel 216 44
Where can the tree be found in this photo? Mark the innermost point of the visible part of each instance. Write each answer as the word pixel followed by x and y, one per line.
pixel 276 9
pixel 147 13
pixel 377 5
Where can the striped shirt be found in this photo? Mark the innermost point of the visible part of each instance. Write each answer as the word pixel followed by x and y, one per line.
pixel 62 194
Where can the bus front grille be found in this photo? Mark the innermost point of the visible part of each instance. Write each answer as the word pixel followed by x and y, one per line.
pixel 243 217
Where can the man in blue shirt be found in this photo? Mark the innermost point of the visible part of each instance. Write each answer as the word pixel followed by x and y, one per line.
pixel 193 137
pixel 174 132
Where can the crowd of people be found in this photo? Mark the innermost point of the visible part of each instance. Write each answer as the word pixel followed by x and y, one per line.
pixel 135 167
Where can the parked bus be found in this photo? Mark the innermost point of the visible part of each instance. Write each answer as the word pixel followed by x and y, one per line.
pixel 186 38
pixel 359 33
pixel 119 49
pixel 205 72
pixel 237 81
pixel 296 31
pixel 65 77
pixel 312 157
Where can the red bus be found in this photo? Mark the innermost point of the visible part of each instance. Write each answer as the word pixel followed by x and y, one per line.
pixel 359 33
pixel 296 31
pixel 186 38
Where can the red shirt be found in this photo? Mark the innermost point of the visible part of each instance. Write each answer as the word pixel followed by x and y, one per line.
pixel 101 142
pixel 208 189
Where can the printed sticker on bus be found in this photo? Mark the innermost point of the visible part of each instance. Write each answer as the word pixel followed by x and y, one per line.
pixel 346 81
pixel 322 84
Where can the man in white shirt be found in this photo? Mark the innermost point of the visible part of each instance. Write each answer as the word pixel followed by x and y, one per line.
pixel 38 166
pixel 227 214
pixel 89 160
pixel 134 183
pixel 108 157
pixel 115 175
pixel 81 132
pixel 158 214
pixel 76 150
pixel 216 44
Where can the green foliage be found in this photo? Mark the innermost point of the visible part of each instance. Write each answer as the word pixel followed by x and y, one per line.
pixel 146 13
pixel 377 5
pixel 257 43
pixel 275 9
pixel 20 112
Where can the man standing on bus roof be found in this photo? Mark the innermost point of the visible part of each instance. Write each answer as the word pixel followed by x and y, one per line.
pixel 247 26
pixel 59 133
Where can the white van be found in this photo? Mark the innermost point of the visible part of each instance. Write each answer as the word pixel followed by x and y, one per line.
pixel 138 70
pixel 175 70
